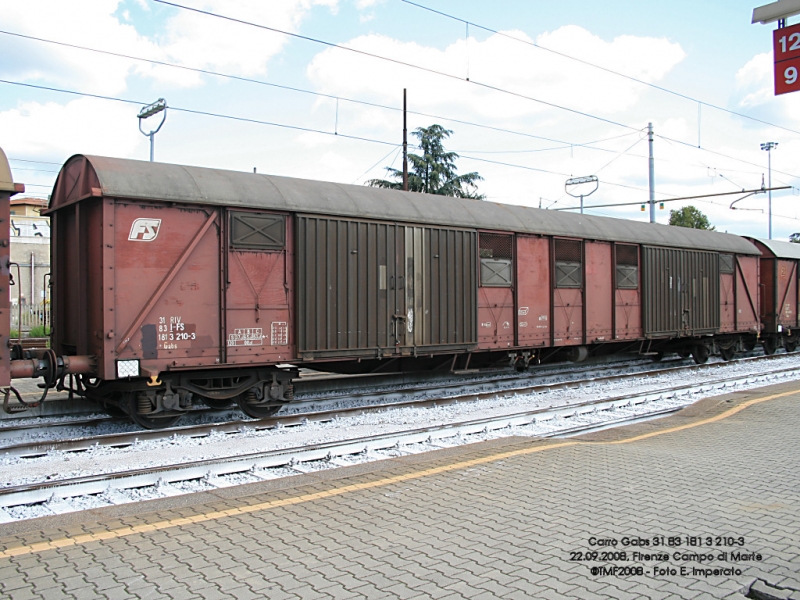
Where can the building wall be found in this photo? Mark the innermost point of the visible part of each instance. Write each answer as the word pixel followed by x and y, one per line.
pixel 30 249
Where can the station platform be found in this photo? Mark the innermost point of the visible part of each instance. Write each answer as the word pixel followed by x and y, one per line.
pixel 701 504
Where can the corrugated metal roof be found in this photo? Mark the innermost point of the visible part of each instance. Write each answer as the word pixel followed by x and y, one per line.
pixel 141 180
pixel 781 249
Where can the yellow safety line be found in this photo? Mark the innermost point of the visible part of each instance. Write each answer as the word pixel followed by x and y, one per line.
pixel 243 510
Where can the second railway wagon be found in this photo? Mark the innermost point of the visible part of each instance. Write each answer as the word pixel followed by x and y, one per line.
pixel 780 294
pixel 190 284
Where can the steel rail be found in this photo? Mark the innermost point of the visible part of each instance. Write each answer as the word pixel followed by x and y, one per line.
pixel 38 448
pixel 382 390
pixel 255 463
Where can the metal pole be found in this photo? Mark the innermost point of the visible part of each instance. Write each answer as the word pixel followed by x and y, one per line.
pixel 769 169
pixel 152 137
pixel 581 203
pixel 768 146
pixel 652 175
pixel 405 145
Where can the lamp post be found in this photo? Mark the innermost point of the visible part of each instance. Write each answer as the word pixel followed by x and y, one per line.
pixel 768 146
pixel 159 106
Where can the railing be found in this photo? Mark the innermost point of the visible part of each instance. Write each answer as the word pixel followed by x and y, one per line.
pixel 31 319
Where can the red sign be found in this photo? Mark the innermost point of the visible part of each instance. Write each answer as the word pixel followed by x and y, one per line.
pixel 787 76
pixel 786 52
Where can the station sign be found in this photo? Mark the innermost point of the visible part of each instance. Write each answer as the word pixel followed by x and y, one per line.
pixel 786 53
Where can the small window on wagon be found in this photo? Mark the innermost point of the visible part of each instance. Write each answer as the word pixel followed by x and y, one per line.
pixel 496 260
pixel 627 267
pixel 257 231
pixel 569 263
pixel 726 263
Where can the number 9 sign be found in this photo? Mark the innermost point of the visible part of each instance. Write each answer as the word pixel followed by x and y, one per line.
pixel 787 76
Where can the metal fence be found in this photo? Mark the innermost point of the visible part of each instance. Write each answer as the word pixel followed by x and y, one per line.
pixel 30 317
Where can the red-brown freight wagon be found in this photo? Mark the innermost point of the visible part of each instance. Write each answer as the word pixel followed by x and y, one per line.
pixel 183 284
pixel 780 293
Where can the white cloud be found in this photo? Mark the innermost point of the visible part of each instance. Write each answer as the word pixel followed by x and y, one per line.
pixel 754 80
pixel 90 22
pixel 85 125
pixel 504 63
pixel 200 40
pixel 187 38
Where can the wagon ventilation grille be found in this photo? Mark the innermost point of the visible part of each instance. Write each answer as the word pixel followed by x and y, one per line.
pixel 496 260
pixel 627 267
pixel 257 231
pixel 495 246
pixel 569 263
pixel 726 263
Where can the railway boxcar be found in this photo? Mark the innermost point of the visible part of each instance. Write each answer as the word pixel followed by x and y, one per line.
pixel 780 299
pixel 175 284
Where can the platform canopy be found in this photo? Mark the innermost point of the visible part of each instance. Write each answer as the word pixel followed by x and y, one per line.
pixel 769 13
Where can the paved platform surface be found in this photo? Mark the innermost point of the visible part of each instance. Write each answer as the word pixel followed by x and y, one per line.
pixel 502 519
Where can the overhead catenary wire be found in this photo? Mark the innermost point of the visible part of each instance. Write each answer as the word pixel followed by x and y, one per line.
pixel 427 69
pixel 292 127
pixel 722 154
pixel 565 144
pixel 396 61
pixel 397 149
pixel 602 68
pixel 269 123
pixel 305 91
pixel 200 112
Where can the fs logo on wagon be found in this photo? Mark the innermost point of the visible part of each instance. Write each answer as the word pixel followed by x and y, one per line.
pixel 144 230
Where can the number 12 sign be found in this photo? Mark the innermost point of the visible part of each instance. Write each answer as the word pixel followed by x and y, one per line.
pixel 786 49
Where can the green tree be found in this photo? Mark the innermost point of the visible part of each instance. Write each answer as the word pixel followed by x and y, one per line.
pixel 435 171
pixel 795 238
pixel 689 216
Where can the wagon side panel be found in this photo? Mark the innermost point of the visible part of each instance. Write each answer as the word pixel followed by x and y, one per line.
pixel 533 291
pixel 260 287
pixel 599 292
pixel 167 296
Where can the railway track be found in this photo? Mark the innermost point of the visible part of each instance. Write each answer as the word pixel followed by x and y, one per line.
pixel 309 395
pixel 327 387
pixel 315 409
pixel 171 479
pixel 47 428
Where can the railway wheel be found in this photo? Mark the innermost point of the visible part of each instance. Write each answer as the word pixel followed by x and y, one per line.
pixel 790 344
pixel 770 345
pixel 700 354
pixel 684 353
pixel 248 403
pixel 138 404
pixel 113 410
pixel 749 344
pixel 727 353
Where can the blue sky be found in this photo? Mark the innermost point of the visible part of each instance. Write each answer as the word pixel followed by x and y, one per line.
pixel 708 51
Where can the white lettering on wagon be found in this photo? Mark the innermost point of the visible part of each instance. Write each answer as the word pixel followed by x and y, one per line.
pixel 172 329
pixel 144 230
pixel 246 336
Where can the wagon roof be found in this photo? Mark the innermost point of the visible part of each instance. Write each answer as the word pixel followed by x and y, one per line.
pixel 139 180
pixel 781 249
